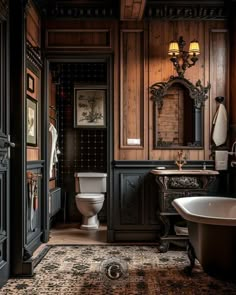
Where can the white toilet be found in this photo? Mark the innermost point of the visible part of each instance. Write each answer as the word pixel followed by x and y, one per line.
pixel 90 188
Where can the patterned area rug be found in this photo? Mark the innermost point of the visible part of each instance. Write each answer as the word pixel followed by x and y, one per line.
pixel 126 270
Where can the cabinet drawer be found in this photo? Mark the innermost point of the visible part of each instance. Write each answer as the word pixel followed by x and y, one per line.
pixel 184 182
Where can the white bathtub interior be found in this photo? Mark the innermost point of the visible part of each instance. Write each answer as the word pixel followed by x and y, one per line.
pixel 207 209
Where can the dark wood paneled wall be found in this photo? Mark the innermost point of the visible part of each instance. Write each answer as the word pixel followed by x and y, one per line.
pixel 141 59
pixel 74 36
pixel 33 36
pixel 212 66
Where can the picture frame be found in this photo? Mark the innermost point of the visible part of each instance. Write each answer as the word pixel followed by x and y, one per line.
pixel 32 121
pixel 89 107
pixel 30 83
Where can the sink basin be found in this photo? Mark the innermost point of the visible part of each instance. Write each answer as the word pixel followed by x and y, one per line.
pixel 184 172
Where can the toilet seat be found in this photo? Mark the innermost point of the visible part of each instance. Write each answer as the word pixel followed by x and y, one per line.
pixel 87 197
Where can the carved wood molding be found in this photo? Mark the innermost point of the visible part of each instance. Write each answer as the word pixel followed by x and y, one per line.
pixel 197 92
pixel 3 10
pixel 132 9
pixel 186 10
pixel 33 55
pixel 184 182
pixel 79 9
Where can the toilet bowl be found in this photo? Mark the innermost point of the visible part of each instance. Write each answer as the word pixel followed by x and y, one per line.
pixel 90 199
pixel 89 206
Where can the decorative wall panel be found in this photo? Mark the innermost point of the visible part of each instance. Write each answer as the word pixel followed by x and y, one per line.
pixel 78 38
pixel 33 26
pixel 132 89
pixel 219 68
pixel 131 198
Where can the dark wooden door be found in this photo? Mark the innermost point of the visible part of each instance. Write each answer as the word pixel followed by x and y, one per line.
pixel 5 146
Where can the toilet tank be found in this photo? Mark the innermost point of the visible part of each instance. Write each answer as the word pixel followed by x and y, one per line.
pixel 91 182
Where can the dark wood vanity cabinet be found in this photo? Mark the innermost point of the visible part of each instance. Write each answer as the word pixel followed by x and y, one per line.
pixel 134 205
pixel 140 206
pixel 175 185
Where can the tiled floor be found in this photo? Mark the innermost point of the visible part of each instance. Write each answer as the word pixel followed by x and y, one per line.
pixel 70 233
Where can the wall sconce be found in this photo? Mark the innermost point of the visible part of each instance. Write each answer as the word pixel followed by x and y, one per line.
pixel 183 59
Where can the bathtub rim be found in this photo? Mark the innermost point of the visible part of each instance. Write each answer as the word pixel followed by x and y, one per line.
pixel 197 218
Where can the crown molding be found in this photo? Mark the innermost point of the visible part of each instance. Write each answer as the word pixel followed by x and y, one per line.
pixel 33 55
pixel 187 10
pixel 79 9
pixel 136 9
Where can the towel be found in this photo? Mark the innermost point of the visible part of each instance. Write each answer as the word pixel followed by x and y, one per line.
pixel 54 151
pixel 220 124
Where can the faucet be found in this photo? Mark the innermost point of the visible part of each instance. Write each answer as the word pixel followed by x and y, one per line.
pixel 233 153
pixel 180 161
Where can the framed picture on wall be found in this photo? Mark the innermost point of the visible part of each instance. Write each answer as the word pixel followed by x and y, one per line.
pixel 32 121
pixel 30 83
pixel 89 107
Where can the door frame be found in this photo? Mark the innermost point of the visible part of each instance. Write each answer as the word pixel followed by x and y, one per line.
pixel 17 54
pixel 5 152
pixel 76 58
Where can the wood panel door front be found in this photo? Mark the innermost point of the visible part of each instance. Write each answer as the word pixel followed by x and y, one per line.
pixel 4 154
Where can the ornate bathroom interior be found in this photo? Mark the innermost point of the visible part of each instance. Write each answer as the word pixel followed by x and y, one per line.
pixel 111 110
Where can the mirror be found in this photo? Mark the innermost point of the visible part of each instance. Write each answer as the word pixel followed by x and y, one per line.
pixel 178 113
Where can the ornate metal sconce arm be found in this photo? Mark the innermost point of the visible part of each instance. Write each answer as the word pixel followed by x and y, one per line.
pixel 182 59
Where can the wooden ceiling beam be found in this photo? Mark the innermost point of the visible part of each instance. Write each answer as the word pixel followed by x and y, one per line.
pixel 132 9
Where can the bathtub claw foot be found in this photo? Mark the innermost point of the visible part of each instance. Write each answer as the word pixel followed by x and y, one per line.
pixel 164 246
pixel 188 270
pixel 192 257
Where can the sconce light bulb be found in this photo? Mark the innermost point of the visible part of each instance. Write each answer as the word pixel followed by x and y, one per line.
pixel 194 48
pixel 173 48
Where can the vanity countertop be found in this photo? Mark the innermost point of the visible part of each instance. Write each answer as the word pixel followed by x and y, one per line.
pixel 184 172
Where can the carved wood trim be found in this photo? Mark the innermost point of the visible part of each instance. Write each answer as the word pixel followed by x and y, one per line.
pixel 132 9
pixel 78 10
pixel 197 92
pixel 203 10
pixel 33 54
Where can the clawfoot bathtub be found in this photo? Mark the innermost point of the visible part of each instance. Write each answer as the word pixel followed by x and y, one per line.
pixel 212 233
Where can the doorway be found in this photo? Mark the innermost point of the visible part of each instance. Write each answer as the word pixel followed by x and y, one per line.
pixel 82 146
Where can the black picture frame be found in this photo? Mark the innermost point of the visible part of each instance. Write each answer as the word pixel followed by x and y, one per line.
pixel 30 83
pixel 90 106
pixel 32 121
